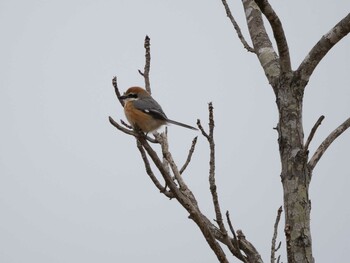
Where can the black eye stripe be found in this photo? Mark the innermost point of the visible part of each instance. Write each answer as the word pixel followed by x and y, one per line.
pixel 132 95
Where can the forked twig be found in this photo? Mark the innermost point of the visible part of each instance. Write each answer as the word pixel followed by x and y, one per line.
pixel 189 156
pixel 327 142
pixel 313 131
pixel 150 173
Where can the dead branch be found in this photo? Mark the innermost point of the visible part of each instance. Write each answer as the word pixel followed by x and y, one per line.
pixel 199 124
pixel 278 34
pixel 322 47
pixel 189 156
pixel 150 173
pixel 187 203
pixel 212 183
pixel 253 255
pixel 162 138
pixel 312 133
pixel 274 237
pixel 121 128
pixel 237 28
pixel 145 73
pixel 126 125
pixel 230 225
pixel 327 142
pixel 116 90
pixel 235 240
pixel 129 132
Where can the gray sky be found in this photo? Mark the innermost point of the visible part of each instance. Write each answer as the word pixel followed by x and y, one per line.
pixel 73 189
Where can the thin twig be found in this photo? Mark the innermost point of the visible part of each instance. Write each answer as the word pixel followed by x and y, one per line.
pixel 278 246
pixel 235 240
pixel 210 138
pixel 130 132
pixel 313 131
pixel 189 156
pixel 274 237
pixel 212 183
pixel 116 90
pixel 150 173
pixel 202 129
pixel 145 73
pixel 327 142
pixel 230 225
pixel 125 124
pixel 121 128
pixel 237 28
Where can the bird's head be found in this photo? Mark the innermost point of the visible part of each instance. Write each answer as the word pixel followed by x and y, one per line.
pixel 134 93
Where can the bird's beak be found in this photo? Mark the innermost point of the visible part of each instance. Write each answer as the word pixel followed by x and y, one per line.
pixel 123 97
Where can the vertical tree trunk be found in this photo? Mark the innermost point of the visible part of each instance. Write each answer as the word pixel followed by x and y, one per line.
pixel 295 175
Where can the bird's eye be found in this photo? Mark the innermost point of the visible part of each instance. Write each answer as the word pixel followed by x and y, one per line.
pixel 132 95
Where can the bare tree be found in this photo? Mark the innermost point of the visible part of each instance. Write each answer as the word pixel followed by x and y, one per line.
pixel 297 167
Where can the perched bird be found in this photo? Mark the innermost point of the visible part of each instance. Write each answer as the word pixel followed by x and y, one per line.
pixel 143 112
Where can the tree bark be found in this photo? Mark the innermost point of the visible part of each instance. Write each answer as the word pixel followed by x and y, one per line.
pixel 289 91
pixel 295 174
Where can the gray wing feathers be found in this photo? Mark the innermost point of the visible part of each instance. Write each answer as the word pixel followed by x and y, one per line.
pixel 150 106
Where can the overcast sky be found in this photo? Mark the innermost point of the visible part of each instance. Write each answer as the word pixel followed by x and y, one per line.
pixel 73 188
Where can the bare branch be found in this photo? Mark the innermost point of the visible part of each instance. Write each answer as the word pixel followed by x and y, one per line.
pixel 162 138
pixel 233 247
pixel 121 128
pixel 261 42
pixel 145 73
pixel 236 27
pixel 116 90
pixel 202 129
pixel 327 142
pixel 189 156
pixel 278 33
pixel 278 246
pixel 129 132
pixel 126 125
pixel 252 254
pixel 235 240
pixel 230 225
pixel 274 237
pixel 188 204
pixel 312 133
pixel 212 184
pixel 149 171
pixel 322 47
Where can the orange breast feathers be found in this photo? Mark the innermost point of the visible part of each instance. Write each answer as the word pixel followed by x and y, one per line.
pixel 140 119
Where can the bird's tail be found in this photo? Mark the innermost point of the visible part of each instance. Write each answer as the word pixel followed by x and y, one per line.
pixel 182 124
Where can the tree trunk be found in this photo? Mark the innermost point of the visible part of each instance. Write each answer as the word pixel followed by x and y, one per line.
pixel 295 174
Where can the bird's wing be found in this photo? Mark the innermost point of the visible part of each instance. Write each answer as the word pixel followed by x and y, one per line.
pixel 151 107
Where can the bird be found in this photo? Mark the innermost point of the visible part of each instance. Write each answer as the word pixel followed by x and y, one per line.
pixel 144 113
